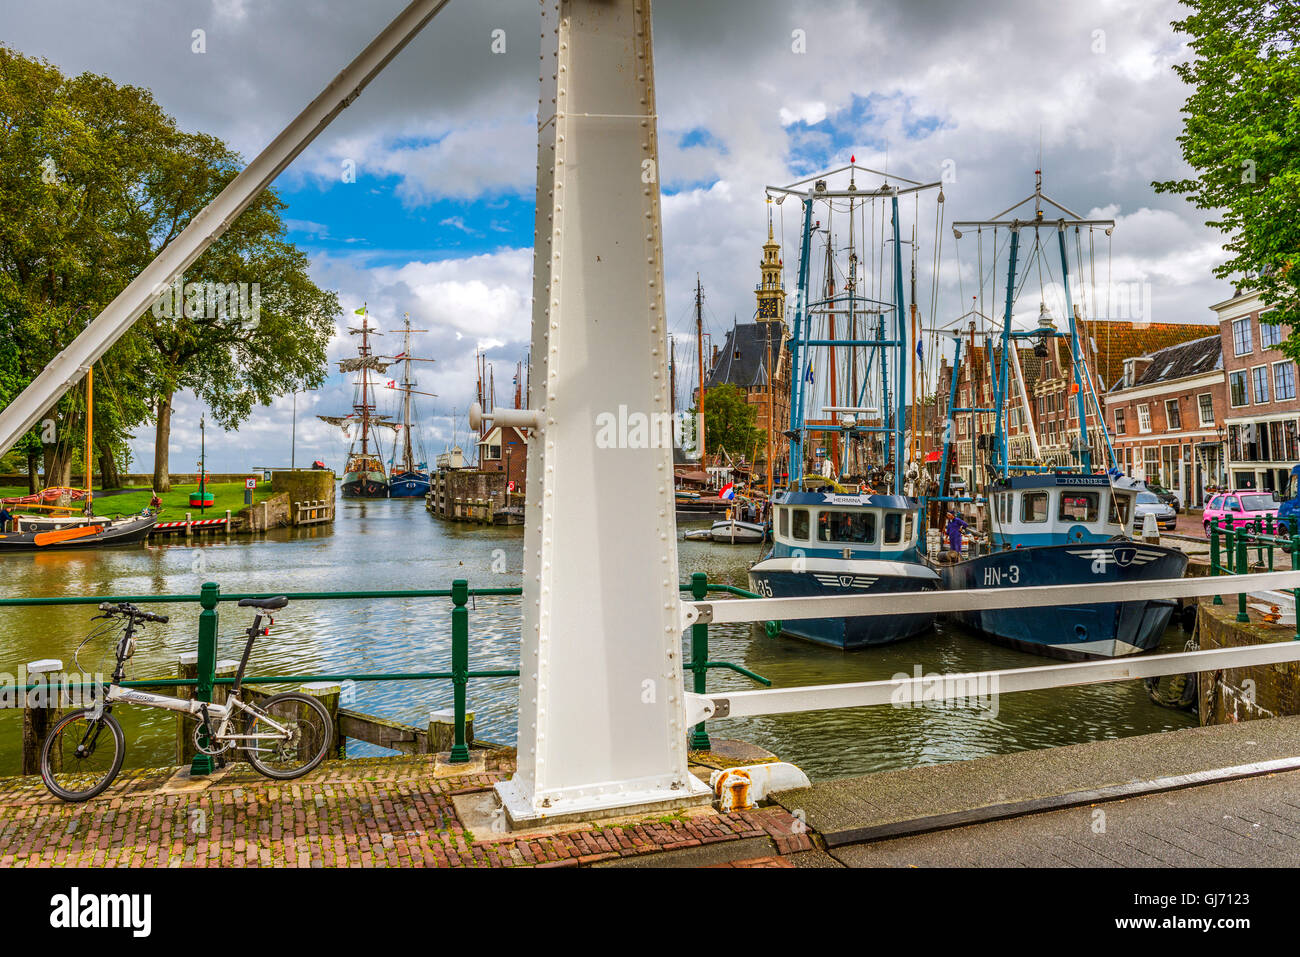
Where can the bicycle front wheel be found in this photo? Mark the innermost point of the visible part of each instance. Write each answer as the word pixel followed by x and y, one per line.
pixel 293 734
pixel 82 755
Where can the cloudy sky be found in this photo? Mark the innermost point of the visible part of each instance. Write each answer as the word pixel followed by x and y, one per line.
pixel 438 222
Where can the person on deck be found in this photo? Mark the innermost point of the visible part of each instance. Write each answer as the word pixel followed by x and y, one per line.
pixel 5 518
pixel 956 525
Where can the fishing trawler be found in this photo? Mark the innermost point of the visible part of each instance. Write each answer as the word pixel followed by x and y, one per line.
pixel 363 475
pixel 412 480
pixel 831 539
pixel 1061 523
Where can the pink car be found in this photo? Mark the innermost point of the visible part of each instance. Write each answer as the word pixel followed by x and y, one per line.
pixel 1238 508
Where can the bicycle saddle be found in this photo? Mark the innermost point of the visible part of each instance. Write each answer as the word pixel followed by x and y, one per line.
pixel 270 604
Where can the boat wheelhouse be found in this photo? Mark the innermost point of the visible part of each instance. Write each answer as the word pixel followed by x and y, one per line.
pixel 837 544
pixel 1066 529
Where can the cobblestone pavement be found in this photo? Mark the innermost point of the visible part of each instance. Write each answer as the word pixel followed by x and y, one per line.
pixel 380 812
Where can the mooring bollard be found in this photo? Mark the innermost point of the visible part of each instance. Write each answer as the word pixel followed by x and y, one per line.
pixel 187 668
pixel 1243 568
pixel 227 525
pixel 328 693
pixel 699 738
pixel 442 730
pixel 40 706
pixel 459 666
pixel 189 526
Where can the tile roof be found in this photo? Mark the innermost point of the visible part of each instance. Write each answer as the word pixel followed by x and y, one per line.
pixel 1113 341
pixel 1178 362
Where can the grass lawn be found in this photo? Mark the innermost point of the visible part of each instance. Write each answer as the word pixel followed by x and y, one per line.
pixel 228 495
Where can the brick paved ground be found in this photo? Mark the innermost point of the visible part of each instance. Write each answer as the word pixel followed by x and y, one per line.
pixel 380 812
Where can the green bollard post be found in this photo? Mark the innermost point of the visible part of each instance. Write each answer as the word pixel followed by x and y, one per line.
pixel 1215 556
pixel 459 666
pixel 699 740
pixel 1243 568
pixel 1295 566
pixel 209 596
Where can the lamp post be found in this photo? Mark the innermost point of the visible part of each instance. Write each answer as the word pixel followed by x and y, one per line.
pixel 203 463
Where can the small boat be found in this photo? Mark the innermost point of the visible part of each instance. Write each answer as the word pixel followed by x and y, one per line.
pixel 732 531
pixel 80 533
pixel 699 535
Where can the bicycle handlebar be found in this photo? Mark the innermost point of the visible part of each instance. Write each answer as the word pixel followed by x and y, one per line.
pixel 126 608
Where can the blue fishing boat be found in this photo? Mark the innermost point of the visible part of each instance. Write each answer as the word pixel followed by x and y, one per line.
pixel 1067 529
pixel 837 544
pixel 832 539
pixel 1065 523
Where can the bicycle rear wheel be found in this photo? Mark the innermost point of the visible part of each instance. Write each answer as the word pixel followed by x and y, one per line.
pixel 308 732
pixel 82 754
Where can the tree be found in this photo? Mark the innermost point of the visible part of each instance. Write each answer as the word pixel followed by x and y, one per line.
pixel 95 180
pixel 729 421
pixel 1241 134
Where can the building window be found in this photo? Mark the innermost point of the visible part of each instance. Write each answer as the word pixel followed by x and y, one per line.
pixel 1270 334
pixel 1259 379
pixel 1151 463
pixel 1173 420
pixel 1119 422
pixel 1241 344
pixel 1237 388
pixel 1205 406
pixel 1144 418
pixel 1283 380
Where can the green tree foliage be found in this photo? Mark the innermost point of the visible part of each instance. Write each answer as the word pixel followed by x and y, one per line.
pixel 1241 134
pixel 95 180
pixel 729 422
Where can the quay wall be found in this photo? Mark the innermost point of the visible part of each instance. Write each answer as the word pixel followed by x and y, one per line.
pixel 1244 694
pixel 468 495
pixel 306 486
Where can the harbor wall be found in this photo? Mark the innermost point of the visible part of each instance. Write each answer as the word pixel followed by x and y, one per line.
pixel 468 495
pixel 1244 694
pixel 306 486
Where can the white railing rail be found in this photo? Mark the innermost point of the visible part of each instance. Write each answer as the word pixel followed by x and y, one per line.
pixel 979 599
pixel 979 685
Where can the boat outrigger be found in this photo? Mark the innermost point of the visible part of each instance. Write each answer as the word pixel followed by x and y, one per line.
pixel 830 539
pixel 1056 525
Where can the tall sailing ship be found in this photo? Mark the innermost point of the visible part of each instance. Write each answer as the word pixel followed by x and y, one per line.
pixel 363 474
pixel 412 479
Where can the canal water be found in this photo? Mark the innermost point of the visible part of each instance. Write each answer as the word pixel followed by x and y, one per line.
pixel 394 544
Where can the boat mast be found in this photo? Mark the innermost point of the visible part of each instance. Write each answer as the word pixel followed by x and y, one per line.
pixel 699 349
pixel 832 357
pixel 407 464
pixel 364 408
pixel 90 418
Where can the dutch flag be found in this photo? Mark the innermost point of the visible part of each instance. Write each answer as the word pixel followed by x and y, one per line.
pixel 728 491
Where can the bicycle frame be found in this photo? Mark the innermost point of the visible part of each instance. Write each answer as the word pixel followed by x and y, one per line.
pixel 222 714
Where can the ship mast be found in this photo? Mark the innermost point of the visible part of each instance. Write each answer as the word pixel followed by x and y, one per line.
pixel 364 408
pixel 407 464
pixel 699 349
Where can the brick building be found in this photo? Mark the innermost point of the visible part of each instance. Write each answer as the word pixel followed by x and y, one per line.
pixel 1262 407
pixel 505 449
pixel 1165 415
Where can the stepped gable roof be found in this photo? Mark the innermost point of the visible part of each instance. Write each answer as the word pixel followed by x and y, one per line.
pixel 742 361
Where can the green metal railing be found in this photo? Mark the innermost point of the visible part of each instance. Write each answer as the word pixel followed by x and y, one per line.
pixel 1230 545
pixel 210 596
